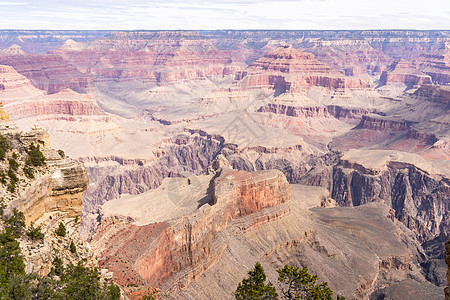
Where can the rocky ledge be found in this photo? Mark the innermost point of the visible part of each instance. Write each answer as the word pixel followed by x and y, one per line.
pixel 175 235
pixel 57 186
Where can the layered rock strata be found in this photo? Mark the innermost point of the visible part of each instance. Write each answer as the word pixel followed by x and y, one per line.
pixel 181 244
pixel 59 184
pixel 47 72
pixel 287 69
pixel 404 72
pixel 416 189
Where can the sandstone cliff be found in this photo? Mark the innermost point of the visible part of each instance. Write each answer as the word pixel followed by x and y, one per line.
pixel 46 72
pixel 57 186
pixel 179 233
pixel 416 189
pixel 189 231
pixel 404 72
pixel 287 69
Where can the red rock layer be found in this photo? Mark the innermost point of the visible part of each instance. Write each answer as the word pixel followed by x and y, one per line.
pixel 21 99
pixel 374 123
pixel 63 103
pixel 287 69
pixel 47 72
pixel 434 93
pixel 437 64
pixel 160 60
pixel 402 71
pixel 352 57
pixel 315 111
pixel 182 249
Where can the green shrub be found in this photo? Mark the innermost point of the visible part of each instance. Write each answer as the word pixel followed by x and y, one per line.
pixel 13 179
pixel 16 222
pixel 2 177
pixel 34 233
pixel 4 146
pixel 28 171
pixel 12 175
pixel 35 156
pixel 61 153
pixel 72 247
pixel 11 261
pixel 14 155
pixel 294 283
pixel 254 287
pixel 13 164
pixel 61 231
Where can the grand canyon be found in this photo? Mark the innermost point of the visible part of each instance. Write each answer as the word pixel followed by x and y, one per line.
pixel 188 156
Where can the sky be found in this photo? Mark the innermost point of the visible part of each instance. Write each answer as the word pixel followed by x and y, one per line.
pixel 224 14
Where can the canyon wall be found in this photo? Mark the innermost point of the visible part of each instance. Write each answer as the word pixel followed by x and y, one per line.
pixel 418 197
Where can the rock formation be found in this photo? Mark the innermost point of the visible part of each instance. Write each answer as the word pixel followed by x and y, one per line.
pixel 287 69
pixel 447 261
pixel 184 239
pixel 46 72
pixel 57 186
pixel 416 189
pixel 403 72
pixel 190 230
pixel 436 64
pixel 165 104
pixel 22 100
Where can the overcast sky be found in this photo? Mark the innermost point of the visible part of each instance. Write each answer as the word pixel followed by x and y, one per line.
pixel 224 14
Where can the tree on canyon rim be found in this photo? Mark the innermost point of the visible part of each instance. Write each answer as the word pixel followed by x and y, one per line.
pixel 294 283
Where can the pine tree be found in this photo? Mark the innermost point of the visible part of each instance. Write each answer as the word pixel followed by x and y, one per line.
pixel 254 287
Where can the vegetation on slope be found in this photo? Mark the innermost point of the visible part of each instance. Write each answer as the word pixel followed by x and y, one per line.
pixel 62 282
pixel 71 281
pixel 293 283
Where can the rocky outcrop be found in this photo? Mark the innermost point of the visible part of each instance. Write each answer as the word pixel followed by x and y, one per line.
pixel 184 247
pixel 447 261
pixel 433 93
pixel 61 190
pixel 22 100
pixel 150 58
pixel 352 57
pixel 436 64
pixel 287 69
pixel 47 72
pixel 380 123
pixel 58 186
pixel 402 71
pixel 313 112
pixel 416 190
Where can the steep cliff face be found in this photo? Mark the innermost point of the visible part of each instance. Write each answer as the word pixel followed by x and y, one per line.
pixel 380 123
pixel 47 72
pixel 22 100
pixel 414 188
pixel 436 64
pixel 438 94
pixel 217 225
pixel 447 261
pixel 47 193
pixel 351 57
pixel 335 111
pixel 404 72
pixel 158 59
pixel 57 186
pixel 287 69
pixel 185 242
